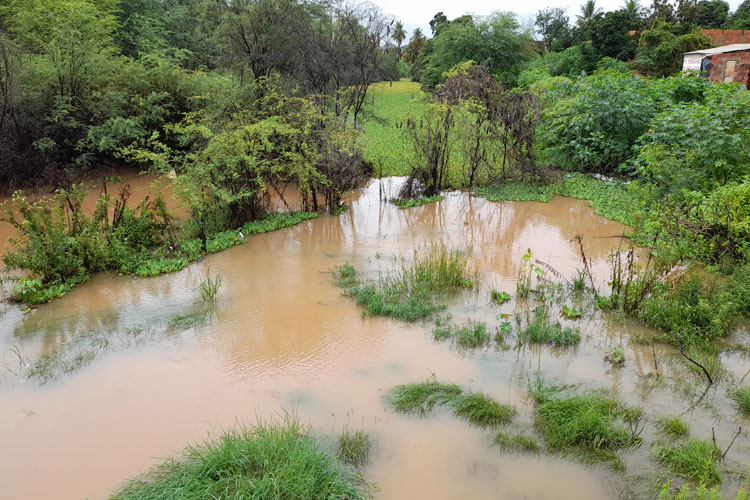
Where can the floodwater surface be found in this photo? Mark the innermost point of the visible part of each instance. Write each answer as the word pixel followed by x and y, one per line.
pixel 134 369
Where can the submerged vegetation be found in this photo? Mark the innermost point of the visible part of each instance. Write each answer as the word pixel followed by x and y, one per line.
pixel 274 459
pixel 468 336
pixel 417 202
pixel 354 447
pixel 477 408
pixel 412 291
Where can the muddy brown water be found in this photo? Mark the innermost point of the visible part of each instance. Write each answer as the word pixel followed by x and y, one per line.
pixel 134 384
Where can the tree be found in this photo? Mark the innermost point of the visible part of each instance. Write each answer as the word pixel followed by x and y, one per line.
pixel 709 14
pixel 552 25
pixel 436 21
pixel 740 18
pixel 660 50
pixel 496 42
pixel 416 46
pixel 399 35
pixel 610 35
pixel 588 11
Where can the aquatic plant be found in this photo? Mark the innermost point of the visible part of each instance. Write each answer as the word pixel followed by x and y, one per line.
pixel 695 459
pixel 416 202
pixel 500 297
pixel 354 447
pixel 673 426
pixel 421 398
pixel 571 312
pixel 272 459
pixel 742 396
pixel 701 492
pixel 542 330
pixel 209 287
pixel 411 292
pixel 517 441
pixel 471 335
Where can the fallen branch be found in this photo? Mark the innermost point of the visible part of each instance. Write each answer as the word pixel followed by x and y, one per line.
pixel 708 375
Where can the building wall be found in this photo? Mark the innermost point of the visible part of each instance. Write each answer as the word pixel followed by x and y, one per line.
pixel 727 37
pixel 731 67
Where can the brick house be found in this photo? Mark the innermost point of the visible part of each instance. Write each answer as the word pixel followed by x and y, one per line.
pixel 730 63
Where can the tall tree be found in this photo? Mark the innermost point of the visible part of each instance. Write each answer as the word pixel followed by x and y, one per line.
pixel 740 18
pixel 588 11
pixel 436 21
pixel 416 45
pixel 399 35
pixel 552 25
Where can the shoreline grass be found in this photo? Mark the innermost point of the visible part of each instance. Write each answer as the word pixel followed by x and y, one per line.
pixel 275 459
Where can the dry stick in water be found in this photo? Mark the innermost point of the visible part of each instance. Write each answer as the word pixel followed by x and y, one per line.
pixel 708 375
pixel 586 266
pixel 724 455
pixel 656 367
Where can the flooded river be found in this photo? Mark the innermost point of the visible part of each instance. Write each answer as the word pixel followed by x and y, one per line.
pixel 138 368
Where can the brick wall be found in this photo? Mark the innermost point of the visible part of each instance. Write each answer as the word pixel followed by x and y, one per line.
pixel 727 37
pixel 731 66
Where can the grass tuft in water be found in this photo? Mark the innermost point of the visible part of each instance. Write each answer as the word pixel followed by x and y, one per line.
pixel 482 410
pixel 517 441
pixel 469 336
pixel 354 447
pixel 423 397
pixel 410 293
pixel 477 408
pixel 542 330
pixel 589 422
pixel 742 396
pixel 346 276
pixel 416 202
pixel 209 287
pixel 270 460
pixel 189 320
pixel 696 459
pixel 673 426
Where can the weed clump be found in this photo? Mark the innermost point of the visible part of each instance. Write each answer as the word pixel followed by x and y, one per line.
pixel 742 396
pixel 468 336
pixel 269 460
pixel 514 441
pixel 482 410
pixel 673 426
pixel 500 297
pixel 477 408
pixel 354 447
pixel 416 202
pixel 542 330
pixel 696 459
pixel 411 292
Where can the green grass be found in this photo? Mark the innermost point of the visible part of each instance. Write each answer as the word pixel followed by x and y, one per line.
pixel 346 276
pixel 421 398
pixel 482 410
pixel 209 287
pixel 272 460
pixel 417 202
pixel 542 330
pixel 695 459
pixel 701 492
pixel 742 396
pixel 517 441
pixel 673 426
pixel 354 447
pixel 387 146
pixel 468 336
pixel 189 320
pixel 589 423
pixel 412 292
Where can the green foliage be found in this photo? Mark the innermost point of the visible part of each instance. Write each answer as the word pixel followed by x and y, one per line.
pixel 410 293
pixel 477 408
pixel 660 50
pixel 515 441
pixel 354 447
pixel 673 426
pixel 482 410
pixel 416 202
pixel 702 492
pixel 616 355
pixel 742 396
pixel 496 42
pixel 542 330
pixel 268 460
pixel 571 312
pixel 694 459
pixel 500 297
pixel 587 421
pixel 469 336
pixel 209 287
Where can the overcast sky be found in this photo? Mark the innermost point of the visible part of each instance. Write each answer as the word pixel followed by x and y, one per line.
pixel 417 13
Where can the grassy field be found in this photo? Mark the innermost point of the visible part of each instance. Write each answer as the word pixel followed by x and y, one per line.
pixel 387 146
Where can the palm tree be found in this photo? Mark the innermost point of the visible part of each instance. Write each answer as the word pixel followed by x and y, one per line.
pixel 416 45
pixel 633 7
pixel 588 11
pixel 399 35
